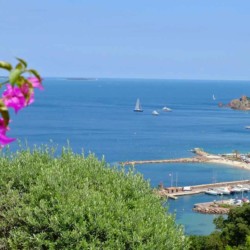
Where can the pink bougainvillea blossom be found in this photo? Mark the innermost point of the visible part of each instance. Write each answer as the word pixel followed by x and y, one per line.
pixel 28 93
pixel 36 83
pixel 3 138
pixel 14 98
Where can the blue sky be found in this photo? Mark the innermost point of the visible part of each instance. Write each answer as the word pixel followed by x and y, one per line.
pixel 172 39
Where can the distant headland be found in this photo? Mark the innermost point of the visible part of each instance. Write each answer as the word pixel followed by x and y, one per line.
pixel 81 78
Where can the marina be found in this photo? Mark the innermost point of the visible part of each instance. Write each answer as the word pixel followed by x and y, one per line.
pixel 174 192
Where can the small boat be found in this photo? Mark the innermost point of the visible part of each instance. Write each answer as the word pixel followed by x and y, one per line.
pixel 155 112
pixel 166 109
pixel 247 127
pixel 138 107
pixel 236 190
pixel 243 188
pixel 223 190
pixel 214 97
pixel 212 192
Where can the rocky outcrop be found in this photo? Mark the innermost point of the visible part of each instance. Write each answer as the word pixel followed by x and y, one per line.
pixel 240 104
pixel 212 209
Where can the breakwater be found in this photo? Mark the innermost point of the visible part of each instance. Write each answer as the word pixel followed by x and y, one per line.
pixel 215 207
pixel 200 157
pixel 196 159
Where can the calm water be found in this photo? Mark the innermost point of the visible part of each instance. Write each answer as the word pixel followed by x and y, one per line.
pixel 98 116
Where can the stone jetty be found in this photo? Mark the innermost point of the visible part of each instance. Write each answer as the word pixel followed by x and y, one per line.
pixel 216 207
pixel 200 157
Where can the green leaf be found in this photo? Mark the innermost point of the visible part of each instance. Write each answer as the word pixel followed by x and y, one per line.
pixel 24 63
pixel 5 113
pixel 5 65
pixel 14 75
pixel 35 73
pixel 19 66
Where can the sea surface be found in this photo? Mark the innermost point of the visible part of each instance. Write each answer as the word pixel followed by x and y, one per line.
pixel 97 116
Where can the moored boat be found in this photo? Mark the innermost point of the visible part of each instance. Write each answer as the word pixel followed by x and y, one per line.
pixel 236 190
pixel 212 192
pixel 223 190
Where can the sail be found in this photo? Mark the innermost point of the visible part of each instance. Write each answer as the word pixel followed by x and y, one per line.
pixel 138 106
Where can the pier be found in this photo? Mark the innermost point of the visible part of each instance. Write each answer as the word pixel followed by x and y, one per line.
pixel 174 192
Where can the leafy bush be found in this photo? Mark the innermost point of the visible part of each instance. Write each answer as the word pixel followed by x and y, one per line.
pixel 77 202
pixel 232 232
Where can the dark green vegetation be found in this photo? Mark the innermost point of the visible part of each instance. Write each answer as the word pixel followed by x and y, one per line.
pixel 231 233
pixel 73 202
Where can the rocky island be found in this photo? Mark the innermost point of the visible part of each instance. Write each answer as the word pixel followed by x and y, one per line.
pixel 242 103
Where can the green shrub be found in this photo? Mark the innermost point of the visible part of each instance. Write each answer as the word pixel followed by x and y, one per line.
pixel 77 202
pixel 231 233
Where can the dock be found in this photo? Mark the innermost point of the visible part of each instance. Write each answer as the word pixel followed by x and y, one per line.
pixel 174 192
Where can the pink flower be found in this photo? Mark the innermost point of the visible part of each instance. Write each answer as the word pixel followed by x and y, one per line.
pixel 3 138
pixel 36 83
pixel 13 97
pixel 28 93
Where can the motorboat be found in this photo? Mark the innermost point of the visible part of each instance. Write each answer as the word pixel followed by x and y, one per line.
pixel 247 127
pixel 155 112
pixel 236 190
pixel 223 190
pixel 166 109
pixel 212 192
pixel 243 188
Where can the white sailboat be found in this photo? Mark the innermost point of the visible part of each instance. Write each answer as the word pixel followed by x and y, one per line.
pixel 138 107
pixel 214 97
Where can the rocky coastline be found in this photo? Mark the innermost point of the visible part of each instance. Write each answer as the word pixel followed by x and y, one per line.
pixel 242 103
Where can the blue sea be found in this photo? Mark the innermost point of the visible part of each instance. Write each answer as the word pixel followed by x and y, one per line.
pixel 97 116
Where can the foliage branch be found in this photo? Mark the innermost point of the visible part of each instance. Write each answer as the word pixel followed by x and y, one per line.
pixel 18 93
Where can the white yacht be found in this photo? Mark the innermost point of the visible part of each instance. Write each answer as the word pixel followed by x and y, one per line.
pixel 212 192
pixel 236 190
pixel 223 190
pixel 155 112
pixel 166 109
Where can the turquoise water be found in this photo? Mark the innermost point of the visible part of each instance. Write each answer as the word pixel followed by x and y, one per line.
pixel 97 116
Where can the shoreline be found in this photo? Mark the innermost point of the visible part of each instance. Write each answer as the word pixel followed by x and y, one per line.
pixel 218 159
